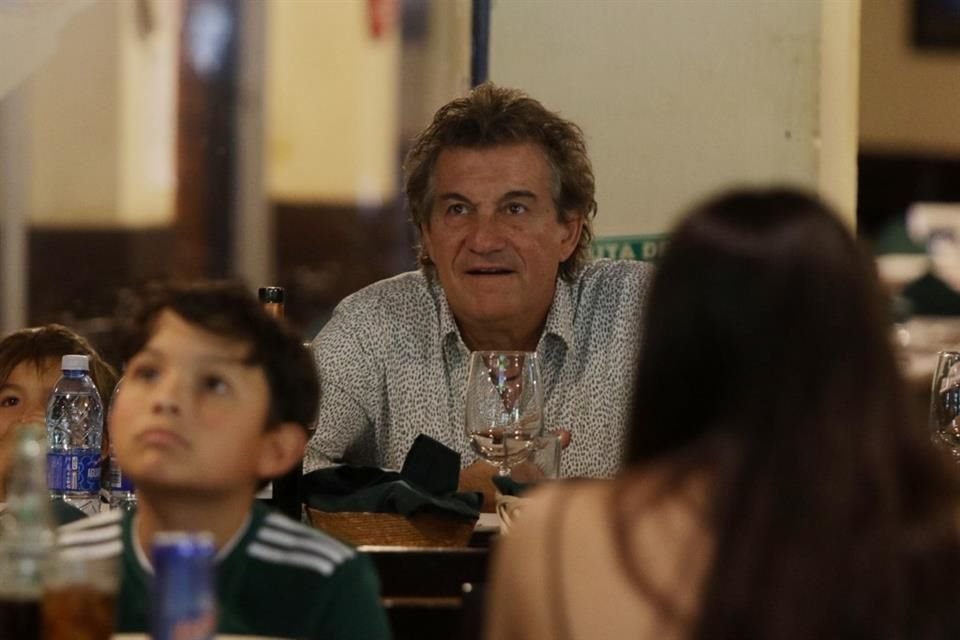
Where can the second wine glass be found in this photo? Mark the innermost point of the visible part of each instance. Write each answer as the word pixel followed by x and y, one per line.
pixel 504 406
pixel 945 403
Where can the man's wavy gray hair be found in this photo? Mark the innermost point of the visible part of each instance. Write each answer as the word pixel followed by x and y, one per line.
pixel 489 116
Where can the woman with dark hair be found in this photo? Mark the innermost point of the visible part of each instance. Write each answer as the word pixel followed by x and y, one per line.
pixel 773 485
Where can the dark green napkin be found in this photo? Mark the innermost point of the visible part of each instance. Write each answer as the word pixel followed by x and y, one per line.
pixel 426 484
pixel 432 466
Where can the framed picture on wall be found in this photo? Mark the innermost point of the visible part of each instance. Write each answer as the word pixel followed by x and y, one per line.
pixel 936 24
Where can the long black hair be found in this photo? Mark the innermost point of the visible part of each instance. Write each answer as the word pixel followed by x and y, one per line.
pixel 766 362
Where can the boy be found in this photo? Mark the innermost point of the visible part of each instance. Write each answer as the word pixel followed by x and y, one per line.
pixel 29 369
pixel 214 402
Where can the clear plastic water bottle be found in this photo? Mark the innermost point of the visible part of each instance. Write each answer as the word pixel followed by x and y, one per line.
pixel 119 487
pixel 74 436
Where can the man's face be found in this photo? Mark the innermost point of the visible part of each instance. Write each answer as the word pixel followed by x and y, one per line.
pixel 23 398
pixel 495 236
pixel 190 415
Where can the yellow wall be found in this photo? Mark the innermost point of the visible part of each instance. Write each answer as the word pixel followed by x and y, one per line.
pixel 74 109
pixel 102 121
pixel 148 117
pixel 838 134
pixel 910 99
pixel 331 104
pixel 103 113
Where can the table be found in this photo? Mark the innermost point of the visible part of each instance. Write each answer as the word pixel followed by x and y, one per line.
pixel 144 636
pixel 432 592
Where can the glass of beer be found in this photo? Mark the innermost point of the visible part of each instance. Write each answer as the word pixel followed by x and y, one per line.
pixel 79 596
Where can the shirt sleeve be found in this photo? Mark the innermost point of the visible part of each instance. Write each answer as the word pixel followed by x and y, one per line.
pixel 349 389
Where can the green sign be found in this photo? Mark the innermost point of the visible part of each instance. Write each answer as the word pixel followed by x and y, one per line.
pixel 649 248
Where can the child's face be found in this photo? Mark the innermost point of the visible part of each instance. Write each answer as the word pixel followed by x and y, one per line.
pixel 23 398
pixel 190 415
pixel 24 394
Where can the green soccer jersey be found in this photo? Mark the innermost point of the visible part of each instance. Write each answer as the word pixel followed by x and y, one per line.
pixel 276 578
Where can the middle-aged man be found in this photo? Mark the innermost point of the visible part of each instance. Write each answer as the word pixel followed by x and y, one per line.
pixel 502 194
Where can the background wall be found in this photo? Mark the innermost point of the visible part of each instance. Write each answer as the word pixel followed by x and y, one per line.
pixel 909 125
pixel 79 132
pixel 910 98
pixel 101 121
pixel 103 112
pixel 121 169
pixel 680 98
pixel 332 104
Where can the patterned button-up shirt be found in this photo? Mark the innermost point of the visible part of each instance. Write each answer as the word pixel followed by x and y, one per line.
pixel 393 365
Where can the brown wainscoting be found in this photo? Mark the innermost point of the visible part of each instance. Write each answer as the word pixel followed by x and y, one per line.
pixel 888 182
pixel 76 275
pixel 76 272
pixel 207 102
pixel 325 252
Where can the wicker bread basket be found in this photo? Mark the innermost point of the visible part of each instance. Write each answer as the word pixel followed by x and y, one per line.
pixel 392 529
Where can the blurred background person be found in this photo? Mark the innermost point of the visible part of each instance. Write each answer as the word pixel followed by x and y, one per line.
pixel 29 369
pixel 774 487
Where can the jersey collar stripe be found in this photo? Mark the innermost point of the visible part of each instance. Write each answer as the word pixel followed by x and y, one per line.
pixel 279 538
pixel 94 552
pixel 87 536
pixel 282 522
pixel 303 560
pixel 95 522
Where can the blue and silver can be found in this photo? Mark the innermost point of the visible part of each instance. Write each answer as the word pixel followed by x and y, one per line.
pixel 184 595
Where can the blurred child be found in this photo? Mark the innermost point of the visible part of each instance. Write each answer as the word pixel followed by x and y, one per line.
pixel 215 402
pixel 29 369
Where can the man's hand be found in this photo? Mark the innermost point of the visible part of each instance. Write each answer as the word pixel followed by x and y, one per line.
pixel 479 475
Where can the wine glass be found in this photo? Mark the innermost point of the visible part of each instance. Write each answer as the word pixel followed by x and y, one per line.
pixel 945 403
pixel 504 406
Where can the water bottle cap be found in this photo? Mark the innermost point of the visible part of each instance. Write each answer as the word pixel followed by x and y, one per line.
pixel 75 363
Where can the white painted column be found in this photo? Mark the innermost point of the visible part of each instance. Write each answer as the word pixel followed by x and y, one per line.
pixel 839 105
pixel 253 235
pixel 14 203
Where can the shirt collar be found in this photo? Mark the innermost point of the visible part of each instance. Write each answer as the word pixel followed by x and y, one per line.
pixel 559 319
pixel 448 324
pixel 562 312
pixel 223 552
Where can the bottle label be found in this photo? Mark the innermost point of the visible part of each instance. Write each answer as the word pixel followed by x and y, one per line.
pixel 55 471
pixel 74 472
pixel 118 481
